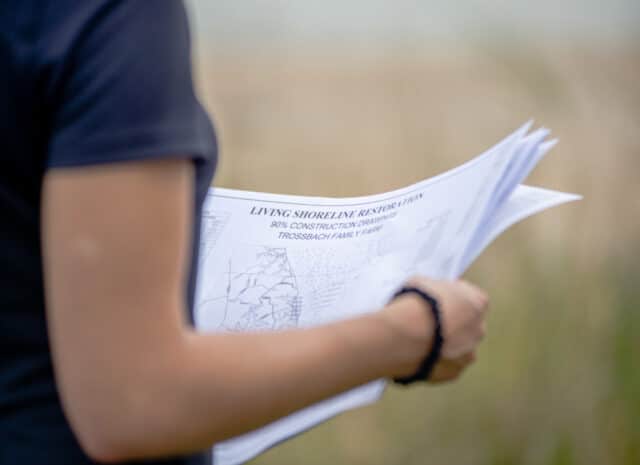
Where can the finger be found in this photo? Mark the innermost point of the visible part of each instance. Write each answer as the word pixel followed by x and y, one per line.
pixel 474 295
pixel 465 360
pixel 451 369
pixel 445 371
pixel 483 331
pixel 471 290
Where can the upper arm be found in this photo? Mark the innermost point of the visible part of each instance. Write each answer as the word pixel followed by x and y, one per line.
pixel 116 244
pixel 118 200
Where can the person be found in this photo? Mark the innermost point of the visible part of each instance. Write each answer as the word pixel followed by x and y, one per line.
pixel 106 157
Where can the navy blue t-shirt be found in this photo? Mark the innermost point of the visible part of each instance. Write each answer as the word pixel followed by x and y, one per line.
pixel 82 82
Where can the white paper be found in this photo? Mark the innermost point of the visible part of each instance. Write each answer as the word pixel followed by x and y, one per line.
pixel 271 262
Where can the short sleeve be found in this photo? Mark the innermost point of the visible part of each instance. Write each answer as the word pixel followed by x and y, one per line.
pixel 126 88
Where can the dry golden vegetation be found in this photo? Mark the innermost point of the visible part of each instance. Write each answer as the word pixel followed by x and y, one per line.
pixel 557 382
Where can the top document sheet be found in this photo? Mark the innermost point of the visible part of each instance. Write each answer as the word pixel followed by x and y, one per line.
pixel 273 262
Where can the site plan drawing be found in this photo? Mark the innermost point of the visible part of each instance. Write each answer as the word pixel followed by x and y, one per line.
pixel 273 262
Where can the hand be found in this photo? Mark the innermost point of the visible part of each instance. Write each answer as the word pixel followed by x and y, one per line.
pixel 464 308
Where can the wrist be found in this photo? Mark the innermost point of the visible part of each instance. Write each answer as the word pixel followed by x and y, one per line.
pixel 411 329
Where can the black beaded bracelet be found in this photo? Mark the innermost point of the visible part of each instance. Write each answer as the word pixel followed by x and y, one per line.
pixel 426 367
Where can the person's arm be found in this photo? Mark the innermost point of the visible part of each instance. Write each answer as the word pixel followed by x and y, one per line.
pixel 135 380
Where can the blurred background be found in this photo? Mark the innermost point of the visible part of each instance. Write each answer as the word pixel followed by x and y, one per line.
pixel 354 97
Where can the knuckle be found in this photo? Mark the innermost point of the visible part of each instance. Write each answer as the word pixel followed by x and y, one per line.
pixel 487 298
pixel 464 287
pixel 472 287
pixel 486 301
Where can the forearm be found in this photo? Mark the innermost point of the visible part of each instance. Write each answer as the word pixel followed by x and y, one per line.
pixel 222 385
pixel 271 375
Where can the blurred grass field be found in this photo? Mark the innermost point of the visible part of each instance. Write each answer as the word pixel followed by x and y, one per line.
pixel 558 379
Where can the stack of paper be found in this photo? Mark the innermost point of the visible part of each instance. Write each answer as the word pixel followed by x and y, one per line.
pixel 271 262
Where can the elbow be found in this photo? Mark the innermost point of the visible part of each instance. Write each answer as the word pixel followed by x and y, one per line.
pixel 106 445
pixel 125 414
pixel 104 455
pixel 113 432
pixel 101 447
